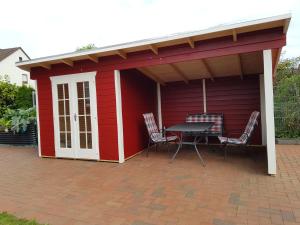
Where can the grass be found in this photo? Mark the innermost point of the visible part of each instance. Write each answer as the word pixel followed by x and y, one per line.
pixel 8 219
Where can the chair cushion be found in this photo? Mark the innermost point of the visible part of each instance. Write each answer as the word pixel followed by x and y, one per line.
pixel 172 138
pixel 152 128
pixel 225 140
pixel 217 119
pixel 253 120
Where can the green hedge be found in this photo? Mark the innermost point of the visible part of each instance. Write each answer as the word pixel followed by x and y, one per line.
pixel 287 98
pixel 287 107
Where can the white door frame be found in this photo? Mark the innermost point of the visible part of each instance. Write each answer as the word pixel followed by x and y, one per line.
pixel 118 93
pixel 38 118
pixel 76 152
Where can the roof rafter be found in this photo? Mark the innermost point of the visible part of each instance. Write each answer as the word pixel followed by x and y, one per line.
pixel 207 68
pixel 234 35
pixel 179 72
pixel 45 65
pixel 154 49
pixel 240 66
pixel 122 54
pixel 68 62
pixel 191 42
pixel 93 58
pixel 151 75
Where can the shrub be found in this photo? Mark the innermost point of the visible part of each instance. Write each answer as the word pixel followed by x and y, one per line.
pixel 5 124
pixel 7 96
pixel 23 98
pixel 20 118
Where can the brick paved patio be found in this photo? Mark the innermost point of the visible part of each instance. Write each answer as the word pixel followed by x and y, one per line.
pixel 145 191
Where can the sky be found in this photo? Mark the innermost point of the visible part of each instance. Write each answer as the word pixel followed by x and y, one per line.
pixel 50 27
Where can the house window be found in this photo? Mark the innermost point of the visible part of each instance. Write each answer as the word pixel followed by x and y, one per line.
pixel 24 79
pixel 20 59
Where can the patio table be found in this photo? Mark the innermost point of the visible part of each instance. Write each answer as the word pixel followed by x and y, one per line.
pixel 196 129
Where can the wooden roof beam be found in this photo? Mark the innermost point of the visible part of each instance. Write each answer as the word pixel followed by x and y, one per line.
pixel 151 75
pixel 191 42
pixel 234 35
pixel 93 58
pixel 208 69
pixel 45 65
pixel 154 49
pixel 179 73
pixel 68 62
pixel 122 54
pixel 240 65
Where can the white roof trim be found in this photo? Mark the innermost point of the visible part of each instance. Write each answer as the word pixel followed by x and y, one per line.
pixel 156 40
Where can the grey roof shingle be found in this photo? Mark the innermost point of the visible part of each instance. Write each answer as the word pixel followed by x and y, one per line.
pixel 4 53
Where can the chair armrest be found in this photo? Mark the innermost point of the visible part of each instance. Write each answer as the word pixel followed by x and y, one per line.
pixel 155 133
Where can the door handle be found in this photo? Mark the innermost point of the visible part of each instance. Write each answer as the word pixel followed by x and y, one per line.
pixel 75 117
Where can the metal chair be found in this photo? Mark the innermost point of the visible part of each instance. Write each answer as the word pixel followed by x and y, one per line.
pixel 156 136
pixel 245 138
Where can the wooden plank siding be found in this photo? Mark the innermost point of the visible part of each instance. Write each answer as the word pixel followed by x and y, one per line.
pixel 46 116
pixel 178 99
pixel 138 97
pixel 237 99
pixel 233 97
pixel 107 117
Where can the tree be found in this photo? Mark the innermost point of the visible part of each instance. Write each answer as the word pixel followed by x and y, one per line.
pixel 287 68
pixel 86 47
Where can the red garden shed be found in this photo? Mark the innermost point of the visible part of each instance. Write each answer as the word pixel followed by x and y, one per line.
pixel 90 103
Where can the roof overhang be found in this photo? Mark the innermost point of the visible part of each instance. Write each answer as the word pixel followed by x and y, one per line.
pixel 154 44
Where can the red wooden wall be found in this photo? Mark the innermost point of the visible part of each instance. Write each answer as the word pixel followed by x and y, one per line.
pixel 107 116
pixel 237 99
pixel 106 107
pixel 46 116
pixel 138 97
pixel 178 99
pixel 233 97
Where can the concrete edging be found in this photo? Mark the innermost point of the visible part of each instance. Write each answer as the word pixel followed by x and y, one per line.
pixel 288 141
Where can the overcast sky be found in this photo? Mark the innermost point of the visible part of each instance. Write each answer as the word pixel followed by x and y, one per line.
pixel 49 27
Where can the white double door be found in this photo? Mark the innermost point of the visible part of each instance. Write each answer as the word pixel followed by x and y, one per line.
pixel 75 116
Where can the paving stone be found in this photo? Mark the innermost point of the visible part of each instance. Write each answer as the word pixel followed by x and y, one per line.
pixel 234 199
pixel 138 222
pixel 222 222
pixel 288 216
pixel 190 194
pixel 269 211
pixel 157 206
pixel 159 192
pixel 182 177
